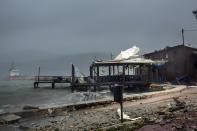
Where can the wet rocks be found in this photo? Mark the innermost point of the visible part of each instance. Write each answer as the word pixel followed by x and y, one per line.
pixel 9 118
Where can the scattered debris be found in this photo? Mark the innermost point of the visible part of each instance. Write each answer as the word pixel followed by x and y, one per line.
pixel 126 117
pixel 178 105
pixel 135 119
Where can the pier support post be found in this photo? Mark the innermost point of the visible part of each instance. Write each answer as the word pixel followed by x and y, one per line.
pixel 98 79
pixel 35 84
pixel 38 74
pixel 53 85
pixel 110 79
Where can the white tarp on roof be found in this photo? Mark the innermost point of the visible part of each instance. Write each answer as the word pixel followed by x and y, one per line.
pixel 131 55
pixel 128 54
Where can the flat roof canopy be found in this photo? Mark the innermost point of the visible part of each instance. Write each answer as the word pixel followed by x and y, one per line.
pixel 134 61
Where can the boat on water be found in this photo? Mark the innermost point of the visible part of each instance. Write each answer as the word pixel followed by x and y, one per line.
pixel 13 72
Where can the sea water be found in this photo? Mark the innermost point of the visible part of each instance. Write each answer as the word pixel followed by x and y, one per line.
pixel 15 94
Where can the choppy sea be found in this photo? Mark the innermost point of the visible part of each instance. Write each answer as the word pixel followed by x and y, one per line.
pixel 15 94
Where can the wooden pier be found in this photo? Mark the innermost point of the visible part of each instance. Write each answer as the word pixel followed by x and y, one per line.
pixel 127 73
pixel 52 80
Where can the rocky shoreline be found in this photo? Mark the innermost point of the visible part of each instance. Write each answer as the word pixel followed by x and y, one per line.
pixel 160 110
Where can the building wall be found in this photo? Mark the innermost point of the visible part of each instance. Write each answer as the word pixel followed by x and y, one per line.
pixel 179 61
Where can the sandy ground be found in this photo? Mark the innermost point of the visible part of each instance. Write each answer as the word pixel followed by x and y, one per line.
pixel 170 111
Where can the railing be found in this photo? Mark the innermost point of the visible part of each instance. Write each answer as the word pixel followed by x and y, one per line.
pixel 117 78
pixel 53 78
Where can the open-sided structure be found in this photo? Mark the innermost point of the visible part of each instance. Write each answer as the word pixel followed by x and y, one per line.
pixel 136 71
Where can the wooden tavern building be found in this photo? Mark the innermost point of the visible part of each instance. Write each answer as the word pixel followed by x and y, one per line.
pixel 181 62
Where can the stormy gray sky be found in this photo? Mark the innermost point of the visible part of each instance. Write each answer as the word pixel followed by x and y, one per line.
pixel 78 26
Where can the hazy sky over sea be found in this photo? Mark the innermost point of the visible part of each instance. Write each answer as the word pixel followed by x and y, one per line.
pixel 77 26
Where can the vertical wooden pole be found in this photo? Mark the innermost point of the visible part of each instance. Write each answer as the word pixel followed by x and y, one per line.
pixel 133 70
pixel 118 69
pixel 149 69
pixel 123 71
pixel 121 109
pixel 36 84
pixel 97 73
pixel 73 77
pixel 128 69
pixel 113 70
pixel 38 74
pixel 53 85
pixel 109 70
pixel 110 78
pixel 140 72
pixel 98 79
pixel 91 71
pixel 183 37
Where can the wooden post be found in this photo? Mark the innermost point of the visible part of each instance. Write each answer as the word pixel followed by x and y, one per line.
pixel 97 73
pixel 183 37
pixel 118 69
pixel 38 79
pixel 91 71
pixel 128 70
pixel 121 109
pixel 35 84
pixel 97 82
pixel 53 85
pixel 38 73
pixel 109 70
pixel 149 69
pixel 73 77
pixel 133 71
pixel 123 71
pixel 140 72
pixel 113 70
pixel 110 76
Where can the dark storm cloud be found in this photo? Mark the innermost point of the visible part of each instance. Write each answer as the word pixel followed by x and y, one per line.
pixel 87 26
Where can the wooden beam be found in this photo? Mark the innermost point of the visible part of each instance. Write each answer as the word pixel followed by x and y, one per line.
pixel 97 72
pixel 123 73
pixel 109 70
pixel 113 69
pixel 149 69
pixel 128 69
pixel 118 69
pixel 38 78
pixel 91 72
